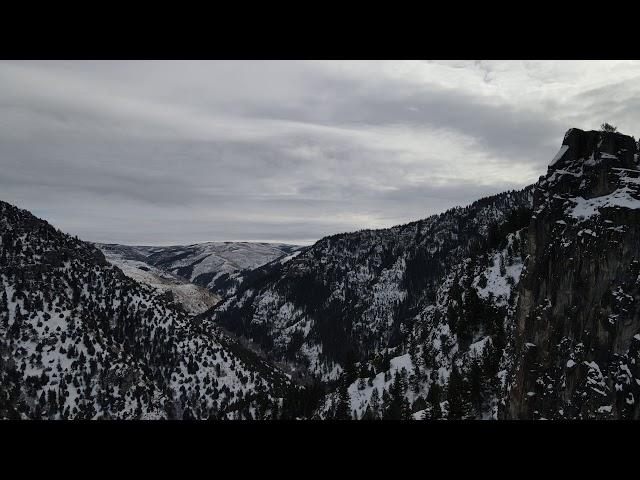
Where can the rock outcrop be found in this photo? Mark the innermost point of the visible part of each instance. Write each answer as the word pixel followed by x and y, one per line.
pixel 577 335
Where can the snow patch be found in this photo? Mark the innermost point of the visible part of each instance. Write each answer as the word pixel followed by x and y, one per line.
pixel 587 208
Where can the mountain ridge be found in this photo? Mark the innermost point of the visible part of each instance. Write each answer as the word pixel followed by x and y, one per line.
pixel 80 340
pixel 521 305
pixel 212 265
pixel 427 350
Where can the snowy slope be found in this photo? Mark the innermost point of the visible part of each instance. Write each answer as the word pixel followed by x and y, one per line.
pixel 194 298
pixel 79 339
pixel 348 305
pixel 466 327
pixel 522 305
pixel 214 265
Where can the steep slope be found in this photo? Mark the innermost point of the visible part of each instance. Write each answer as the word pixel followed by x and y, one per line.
pixel 214 265
pixel 522 305
pixel 351 298
pixel 578 319
pixel 453 362
pixel 194 298
pixel 78 339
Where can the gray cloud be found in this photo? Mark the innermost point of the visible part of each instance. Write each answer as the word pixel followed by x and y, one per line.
pixel 182 152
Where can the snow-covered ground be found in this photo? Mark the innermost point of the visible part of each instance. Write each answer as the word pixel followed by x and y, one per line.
pixel 498 284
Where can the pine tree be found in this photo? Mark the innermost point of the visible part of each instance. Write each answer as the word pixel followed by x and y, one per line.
pixel 4 302
pixel 476 385
pixel 405 409
pixel 343 404
pixel 419 404
pixel 433 400
pixel 4 310
pixel 374 403
pixel 458 396
pixel 386 402
pixel 17 323
pixel 398 406
pixel 367 415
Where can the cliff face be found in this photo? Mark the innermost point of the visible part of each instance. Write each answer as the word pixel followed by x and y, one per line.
pixel 577 332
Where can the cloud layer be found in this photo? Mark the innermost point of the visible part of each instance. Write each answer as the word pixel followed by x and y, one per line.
pixel 185 152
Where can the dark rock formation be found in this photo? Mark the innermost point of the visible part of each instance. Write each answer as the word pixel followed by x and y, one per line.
pixel 578 315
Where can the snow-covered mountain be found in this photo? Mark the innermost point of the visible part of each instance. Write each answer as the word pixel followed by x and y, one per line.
pixel 79 339
pixel 432 319
pixel 353 306
pixel 522 305
pixel 214 265
pixel 194 298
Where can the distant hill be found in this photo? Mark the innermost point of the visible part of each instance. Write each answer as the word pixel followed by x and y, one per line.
pixel 214 265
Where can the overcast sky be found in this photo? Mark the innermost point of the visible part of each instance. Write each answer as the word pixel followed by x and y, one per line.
pixel 160 152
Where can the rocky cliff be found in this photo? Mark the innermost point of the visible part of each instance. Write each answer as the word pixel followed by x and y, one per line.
pixel 577 323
